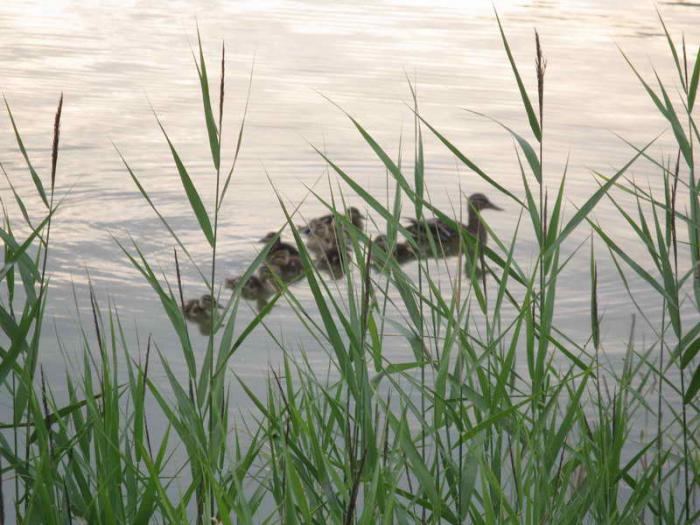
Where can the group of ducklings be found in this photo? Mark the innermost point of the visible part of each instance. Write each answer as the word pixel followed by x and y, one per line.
pixel 326 239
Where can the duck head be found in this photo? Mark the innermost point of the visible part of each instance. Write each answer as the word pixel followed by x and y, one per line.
pixel 207 302
pixel 381 241
pixel 356 217
pixel 269 237
pixel 198 309
pixel 479 201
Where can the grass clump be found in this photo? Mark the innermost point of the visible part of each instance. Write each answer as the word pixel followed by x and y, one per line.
pixel 493 415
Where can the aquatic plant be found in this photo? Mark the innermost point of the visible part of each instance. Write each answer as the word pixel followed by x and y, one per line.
pixel 494 415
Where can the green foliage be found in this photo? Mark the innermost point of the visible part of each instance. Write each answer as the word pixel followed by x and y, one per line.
pixel 494 415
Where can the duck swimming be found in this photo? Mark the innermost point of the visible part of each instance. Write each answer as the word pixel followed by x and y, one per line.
pixel 333 262
pixel 279 268
pixel 401 252
pixel 355 216
pixel 283 265
pixel 322 232
pixel 200 309
pixel 435 232
pixel 276 244
pixel 320 237
pixel 254 288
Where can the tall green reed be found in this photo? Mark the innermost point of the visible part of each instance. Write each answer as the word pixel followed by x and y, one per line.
pixel 492 415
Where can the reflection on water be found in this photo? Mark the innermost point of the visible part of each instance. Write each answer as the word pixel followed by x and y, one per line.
pixel 114 60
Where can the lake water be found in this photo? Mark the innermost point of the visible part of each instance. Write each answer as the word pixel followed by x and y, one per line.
pixel 114 60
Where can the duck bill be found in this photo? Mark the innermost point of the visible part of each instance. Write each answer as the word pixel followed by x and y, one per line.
pixel 494 207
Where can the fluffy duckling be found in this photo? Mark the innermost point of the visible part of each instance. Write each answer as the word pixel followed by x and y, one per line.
pixel 286 267
pixel 276 244
pixel 206 326
pixel 333 262
pixel 322 232
pixel 254 288
pixel 258 288
pixel 401 252
pixel 320 237
pixel 355 216
pixel 200 309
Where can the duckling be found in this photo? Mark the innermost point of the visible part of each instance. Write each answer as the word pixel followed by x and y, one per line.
pixel 206 326
pixel 320 237
pixel 333 262
pixel 278 245
pixel 254 288
pixel 200 309
pixel 258 288
pixel 355 216
pixel 402 251
pixel 287 267
pixel 322 232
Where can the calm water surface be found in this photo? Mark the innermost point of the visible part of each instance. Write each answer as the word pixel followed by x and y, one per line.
pixel 113 60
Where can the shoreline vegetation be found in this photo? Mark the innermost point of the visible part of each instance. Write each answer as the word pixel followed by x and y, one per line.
pixel 513 422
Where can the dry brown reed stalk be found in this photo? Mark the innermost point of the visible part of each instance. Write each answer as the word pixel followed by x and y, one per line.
pixel 54 149
pixel 540 67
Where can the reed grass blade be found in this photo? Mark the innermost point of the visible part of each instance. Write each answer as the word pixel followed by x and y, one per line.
pixel 212 130
pixel 531 116
pixel 693 88
pixel 20 144
pixel 193 197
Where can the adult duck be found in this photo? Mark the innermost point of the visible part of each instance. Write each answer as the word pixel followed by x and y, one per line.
pixel 434 234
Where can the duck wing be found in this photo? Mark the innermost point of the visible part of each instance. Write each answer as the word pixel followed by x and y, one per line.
pixel 435 228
